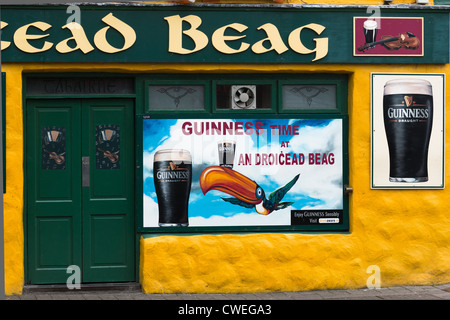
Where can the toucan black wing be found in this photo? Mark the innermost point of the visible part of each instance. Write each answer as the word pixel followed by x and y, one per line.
pixel 277 195
pixel 238 202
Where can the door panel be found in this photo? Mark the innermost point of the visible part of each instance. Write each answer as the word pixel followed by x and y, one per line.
pixel 73 219
pixel 54 196
pixel 108 226
pixel 55 233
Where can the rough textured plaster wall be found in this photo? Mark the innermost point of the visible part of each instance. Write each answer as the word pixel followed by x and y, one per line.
pixel 406 233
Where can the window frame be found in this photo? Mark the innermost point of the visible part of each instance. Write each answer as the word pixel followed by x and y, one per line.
pixel 211 112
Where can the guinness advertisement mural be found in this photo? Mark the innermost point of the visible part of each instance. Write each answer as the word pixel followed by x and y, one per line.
pixel 242 172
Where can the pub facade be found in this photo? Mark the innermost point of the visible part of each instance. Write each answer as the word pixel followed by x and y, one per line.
pixel 225 147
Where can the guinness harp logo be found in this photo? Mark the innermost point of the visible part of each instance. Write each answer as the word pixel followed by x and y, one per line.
pixel 173 166
pixel 408 100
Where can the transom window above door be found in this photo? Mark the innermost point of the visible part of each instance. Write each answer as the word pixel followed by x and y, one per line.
pixel 245 93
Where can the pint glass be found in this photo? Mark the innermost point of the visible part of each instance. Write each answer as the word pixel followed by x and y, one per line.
pixel 226 153
pixel 408 119
pixel 370 31
pixel 172 173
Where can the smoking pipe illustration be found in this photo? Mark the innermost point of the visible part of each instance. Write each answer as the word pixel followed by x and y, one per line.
pixel 246 192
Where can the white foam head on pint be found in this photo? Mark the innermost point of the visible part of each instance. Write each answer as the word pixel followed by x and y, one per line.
pixel 408 86
pixel 370 24
pixel 173 155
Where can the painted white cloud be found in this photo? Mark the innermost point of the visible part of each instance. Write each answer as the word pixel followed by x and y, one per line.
pixel 280 217
pixel 321 181
pixel 151 213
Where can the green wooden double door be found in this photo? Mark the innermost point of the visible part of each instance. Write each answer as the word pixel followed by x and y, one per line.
pixel 80 190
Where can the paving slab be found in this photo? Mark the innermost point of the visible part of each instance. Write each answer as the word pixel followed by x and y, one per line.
pixel 428 292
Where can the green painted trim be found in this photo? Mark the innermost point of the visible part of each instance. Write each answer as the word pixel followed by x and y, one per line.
pixel 139 180
pixel 441 2
pixel 156 235
pixel 25 191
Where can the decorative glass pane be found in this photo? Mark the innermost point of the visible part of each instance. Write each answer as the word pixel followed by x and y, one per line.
pixel 176 97
pixel 53 148
pixel 107 144
pixel 309 96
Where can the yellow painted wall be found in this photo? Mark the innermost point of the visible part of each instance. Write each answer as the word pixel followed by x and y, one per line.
pixel 404 232
pixel 13 198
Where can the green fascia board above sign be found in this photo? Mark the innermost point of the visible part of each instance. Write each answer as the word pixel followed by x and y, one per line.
pixel 159 33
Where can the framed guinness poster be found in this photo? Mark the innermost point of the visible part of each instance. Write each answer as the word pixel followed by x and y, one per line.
pixel 388 36
pixel 407 112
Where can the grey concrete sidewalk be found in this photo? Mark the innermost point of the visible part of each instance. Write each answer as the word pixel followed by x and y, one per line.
pixel 433 292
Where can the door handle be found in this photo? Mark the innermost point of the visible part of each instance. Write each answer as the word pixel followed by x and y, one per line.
pixel 85 176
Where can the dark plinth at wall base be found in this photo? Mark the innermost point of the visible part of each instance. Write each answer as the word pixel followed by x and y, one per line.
pixel 119 286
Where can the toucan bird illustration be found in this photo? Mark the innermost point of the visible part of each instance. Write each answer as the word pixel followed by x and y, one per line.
pixel 245 192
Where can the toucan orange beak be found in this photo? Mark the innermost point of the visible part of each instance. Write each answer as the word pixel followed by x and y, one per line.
pixel 231 182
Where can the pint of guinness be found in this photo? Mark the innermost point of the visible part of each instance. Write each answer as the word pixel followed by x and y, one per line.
pixel 408 119
pixel 370 31
pixel 226 153
pixel 172 173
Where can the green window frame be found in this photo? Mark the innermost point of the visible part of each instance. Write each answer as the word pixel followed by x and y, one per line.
pixel 441 2
pixel 212 111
